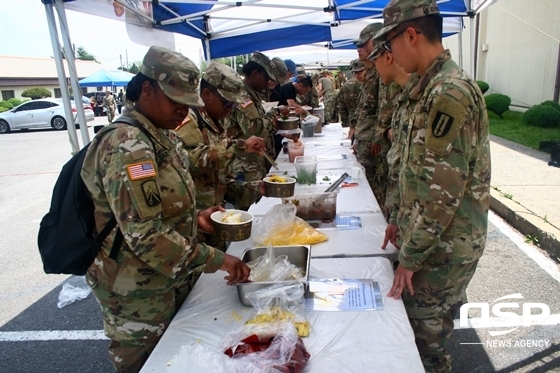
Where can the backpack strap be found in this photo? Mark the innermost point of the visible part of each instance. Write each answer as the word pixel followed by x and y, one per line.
pixel 117 242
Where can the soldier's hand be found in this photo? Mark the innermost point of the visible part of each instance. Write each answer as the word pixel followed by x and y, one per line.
pixel 203 218
pixel 255 144
pixel 375 149
pixel 237 270
pixel 391 236
pixel 350 133
pixel 390 134
pixel 402 280
pixel 283 109
pixel 354 148
pixel 300 111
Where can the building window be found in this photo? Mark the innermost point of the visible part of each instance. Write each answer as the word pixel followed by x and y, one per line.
pixel 6 95
pixel 57 93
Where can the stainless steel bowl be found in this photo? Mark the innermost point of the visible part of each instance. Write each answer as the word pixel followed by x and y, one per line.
pixel 299 256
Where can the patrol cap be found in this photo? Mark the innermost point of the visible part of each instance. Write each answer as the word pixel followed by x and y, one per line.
pixel 227 82
pixel 398 11
pixel 177 76
pixel 291 65
pixel 280 68
pixel 357 65
pixel 300 70
pixel 266 64
pixel 368 32
pixel 377 51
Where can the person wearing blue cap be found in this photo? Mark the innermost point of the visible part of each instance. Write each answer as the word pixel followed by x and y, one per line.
pixel 292 72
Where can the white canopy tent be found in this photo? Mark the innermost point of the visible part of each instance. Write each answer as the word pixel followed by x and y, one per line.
pixel 228 28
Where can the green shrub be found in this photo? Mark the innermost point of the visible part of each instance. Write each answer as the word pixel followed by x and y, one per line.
pixel 497 103
pixel 15 101
pixel 6 104
pixel 3 109
pixel 551 103
pixel 542 116
pixel 483 86
pixel 36 92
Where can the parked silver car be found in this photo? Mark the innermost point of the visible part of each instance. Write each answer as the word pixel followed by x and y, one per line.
pixel 40 113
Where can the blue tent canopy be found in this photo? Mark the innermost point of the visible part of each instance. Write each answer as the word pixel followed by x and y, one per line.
pixel 106 78
pixel 228 28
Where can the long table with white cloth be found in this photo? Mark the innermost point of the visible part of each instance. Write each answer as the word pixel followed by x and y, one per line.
pixel 352 341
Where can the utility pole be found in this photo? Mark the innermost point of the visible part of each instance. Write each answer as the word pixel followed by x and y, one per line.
pixel 127 67
pixel 120 56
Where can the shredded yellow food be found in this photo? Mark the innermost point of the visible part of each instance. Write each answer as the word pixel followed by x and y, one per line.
pixel 278 314
pixel 277 179
pixel 232 217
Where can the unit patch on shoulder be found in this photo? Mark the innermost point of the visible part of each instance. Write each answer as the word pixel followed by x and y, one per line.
pixel 246 103
pixel 142 170
pixel 151 193
pixel 445 121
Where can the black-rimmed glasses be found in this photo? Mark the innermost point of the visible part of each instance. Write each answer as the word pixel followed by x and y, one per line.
pixel 387 43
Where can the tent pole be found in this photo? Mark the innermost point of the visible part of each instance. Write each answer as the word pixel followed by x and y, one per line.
pixel 69 51
pixel 474 47
pixel 72 137
pixel 460 36
pixel 208 55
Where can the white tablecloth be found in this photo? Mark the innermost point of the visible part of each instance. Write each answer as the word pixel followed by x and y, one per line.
pixel 369 341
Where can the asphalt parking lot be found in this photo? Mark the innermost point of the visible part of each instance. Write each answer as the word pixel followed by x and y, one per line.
pixel 36 336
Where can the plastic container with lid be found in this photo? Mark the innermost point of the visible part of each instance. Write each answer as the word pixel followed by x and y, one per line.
pixel 295 149
pixel 306 169
pixel 314 203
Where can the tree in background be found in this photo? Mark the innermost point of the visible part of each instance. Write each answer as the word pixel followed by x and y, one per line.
pixel 36 92
pixel 239 62
pixel 82 54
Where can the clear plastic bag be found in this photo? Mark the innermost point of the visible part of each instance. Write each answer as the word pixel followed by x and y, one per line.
pixel 75 289
pixel 285 352
pixel 281 302
pixel 310 119
pixel 280 226
pixel 271 268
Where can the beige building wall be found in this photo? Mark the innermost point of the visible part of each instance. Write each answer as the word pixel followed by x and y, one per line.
pixel 522 53
pixel 18 90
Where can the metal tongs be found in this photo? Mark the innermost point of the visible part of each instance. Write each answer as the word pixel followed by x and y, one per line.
pixel 272 161
pixel 337 183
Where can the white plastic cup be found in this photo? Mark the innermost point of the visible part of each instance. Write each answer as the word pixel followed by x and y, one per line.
pixel 355 172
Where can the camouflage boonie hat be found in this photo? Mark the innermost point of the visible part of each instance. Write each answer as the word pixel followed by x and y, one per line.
pixel 368 32
pixel 377 51
pixel 398 11
pixel 280 68
pixel 227 82
pixel 357 66
pixel 177 76
pixel 265 62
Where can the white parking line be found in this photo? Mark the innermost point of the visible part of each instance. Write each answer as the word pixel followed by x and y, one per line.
pixel 52 335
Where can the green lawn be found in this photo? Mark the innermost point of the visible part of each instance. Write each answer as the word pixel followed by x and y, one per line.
pixel 512 128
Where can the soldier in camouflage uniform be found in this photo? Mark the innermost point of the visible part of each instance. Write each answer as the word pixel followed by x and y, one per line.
pixel 311 98
pixel 444 179
pixel 250 119
pixel 347 98
pixel 366 118
pixel 392 72
pixel 143 181
pixel 110 104
pixel 211 151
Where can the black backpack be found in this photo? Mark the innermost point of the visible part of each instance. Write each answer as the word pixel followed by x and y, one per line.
pixel 66 241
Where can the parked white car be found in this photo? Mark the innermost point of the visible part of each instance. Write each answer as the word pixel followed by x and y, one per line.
pixel 40 113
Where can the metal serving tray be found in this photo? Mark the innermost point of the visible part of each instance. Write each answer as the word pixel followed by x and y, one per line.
pixel 298 255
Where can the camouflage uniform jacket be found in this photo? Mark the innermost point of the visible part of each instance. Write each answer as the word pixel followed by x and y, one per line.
pixel 153 198
pixel 250 119
pixel 347 100
pixel 445 173
pixel 399 128
pixel 311 98
pixel 210 154
pixel 387 100
pixel 365 117
pixel 109 101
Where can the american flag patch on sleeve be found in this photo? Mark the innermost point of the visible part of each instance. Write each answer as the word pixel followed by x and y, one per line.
pixel 141 170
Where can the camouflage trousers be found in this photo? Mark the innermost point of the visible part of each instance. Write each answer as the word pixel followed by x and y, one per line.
pixel 110 114
pixel 439 292
pixel 135 325
pixel 329 101
pixel 376 172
